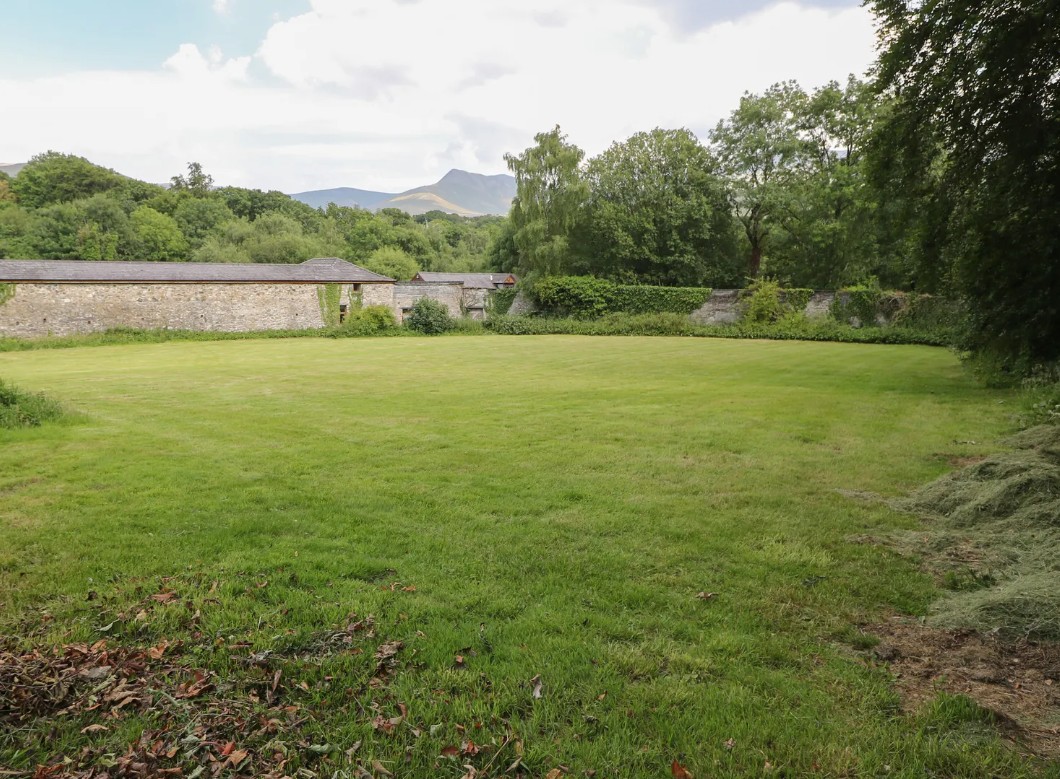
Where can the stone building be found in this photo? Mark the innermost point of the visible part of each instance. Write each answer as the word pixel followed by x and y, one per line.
pixel 63 297
pixel 474 288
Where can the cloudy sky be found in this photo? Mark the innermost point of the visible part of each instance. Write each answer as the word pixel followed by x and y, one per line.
pixel 389 94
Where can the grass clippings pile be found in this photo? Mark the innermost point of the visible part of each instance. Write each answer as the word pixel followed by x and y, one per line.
pixel 25 409
pixel 998 523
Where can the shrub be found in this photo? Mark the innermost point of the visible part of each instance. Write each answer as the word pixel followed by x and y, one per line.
pixel 858 305
pixel 641 299
pixel 429 317
pixel 25 409
pixel 371 320
pixel 586 297
pixel 583 297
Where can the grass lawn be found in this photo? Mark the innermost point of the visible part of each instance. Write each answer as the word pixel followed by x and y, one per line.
pixel 534 519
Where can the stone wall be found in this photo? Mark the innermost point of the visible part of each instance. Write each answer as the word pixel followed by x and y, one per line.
pixel 378 295
pixel 407 293
pixel 723 307
pixel 65 309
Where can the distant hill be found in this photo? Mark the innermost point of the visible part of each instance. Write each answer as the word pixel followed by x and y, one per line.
pixel 343 196
pixel 12 169
pixel 458 192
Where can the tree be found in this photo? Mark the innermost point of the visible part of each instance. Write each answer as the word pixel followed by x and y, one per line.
pixel 977 97
pixel 59 178
pixel 759 149
pixel 197 182
pixel 156 236
pixel 393 262
pixel 550 193
pixel 825 234
pixel 657 213
pixel 199 218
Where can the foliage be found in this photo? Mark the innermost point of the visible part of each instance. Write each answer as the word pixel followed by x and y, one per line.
pixel 550 193
pixel 500 300
pixel 24 409
pixel 7 291
pixel 657 213
pixel 579 296
pixel 587 297
pixel 785 329
pixel 762 303
pixel 328 296
pixel 975 134
pixel 858 305
pixel 393 262
pixel 157 236
pixel 197 181
pixel 52 178
pixel 367 321
pixel 429 317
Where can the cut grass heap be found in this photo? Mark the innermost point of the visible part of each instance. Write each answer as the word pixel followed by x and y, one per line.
pixel 1008 508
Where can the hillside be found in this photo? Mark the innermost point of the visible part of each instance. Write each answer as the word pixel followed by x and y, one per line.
pixel 12 169
pixel 458 192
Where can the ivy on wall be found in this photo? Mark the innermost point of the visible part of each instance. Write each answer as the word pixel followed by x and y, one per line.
pixel 586 297
pixel 329 295
pixel 7 291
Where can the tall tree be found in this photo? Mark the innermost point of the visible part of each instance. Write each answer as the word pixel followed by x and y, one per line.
pixel 657 213
pixel 59 178
pixel 980 80
pixel 759 149
pixel 550 193
pixel 197 181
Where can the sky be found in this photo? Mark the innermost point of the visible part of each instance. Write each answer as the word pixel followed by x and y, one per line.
pixel 390 94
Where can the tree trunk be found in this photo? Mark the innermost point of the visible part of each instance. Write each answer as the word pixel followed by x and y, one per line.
pixel 756 261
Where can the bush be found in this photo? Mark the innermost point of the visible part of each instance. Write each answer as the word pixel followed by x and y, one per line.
pixel 371 320
pixel 24 409
pixel 429 317
pixel 765 302
pixel 858 305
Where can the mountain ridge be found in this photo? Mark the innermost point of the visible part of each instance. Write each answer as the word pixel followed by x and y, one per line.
pixel 457 192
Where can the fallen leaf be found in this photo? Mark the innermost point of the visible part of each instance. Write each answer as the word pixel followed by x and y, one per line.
pixel 450 751
pixel 679 771
pixel 228 748
pixel 730 743
pixel 237 757
pixel 469 748
pixel 379 768
pixel 555 773
pixel 95 729
pixel 164 597
pixel 459 661
pixel 707 595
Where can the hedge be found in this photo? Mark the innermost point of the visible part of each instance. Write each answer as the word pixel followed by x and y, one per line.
pixel 586 297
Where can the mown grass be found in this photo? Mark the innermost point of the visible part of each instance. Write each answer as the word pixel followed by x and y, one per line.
pixel 541 506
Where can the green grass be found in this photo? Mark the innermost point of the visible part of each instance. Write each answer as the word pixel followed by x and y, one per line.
pixel 556 502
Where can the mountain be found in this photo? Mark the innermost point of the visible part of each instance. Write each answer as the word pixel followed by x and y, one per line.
pixel 458 192
pixel 343 196
pixel 12 169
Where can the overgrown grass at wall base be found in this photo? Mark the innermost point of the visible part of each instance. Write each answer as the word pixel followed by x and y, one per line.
pixel 26 409
pixel 585 297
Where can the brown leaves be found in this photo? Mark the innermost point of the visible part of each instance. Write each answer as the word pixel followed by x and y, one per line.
pixel 165 597
pixel 706 596
pixel 386 658
pixel 678 771
pixel 450 751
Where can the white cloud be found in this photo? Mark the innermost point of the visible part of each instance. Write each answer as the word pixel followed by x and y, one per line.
pixel 388 94
pixel 222 6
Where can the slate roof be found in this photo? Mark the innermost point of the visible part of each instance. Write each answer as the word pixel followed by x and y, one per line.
pixel 469 280
pixel 323 270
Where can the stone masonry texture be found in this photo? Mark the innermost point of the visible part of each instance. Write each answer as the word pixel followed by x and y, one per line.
pixel 65 309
